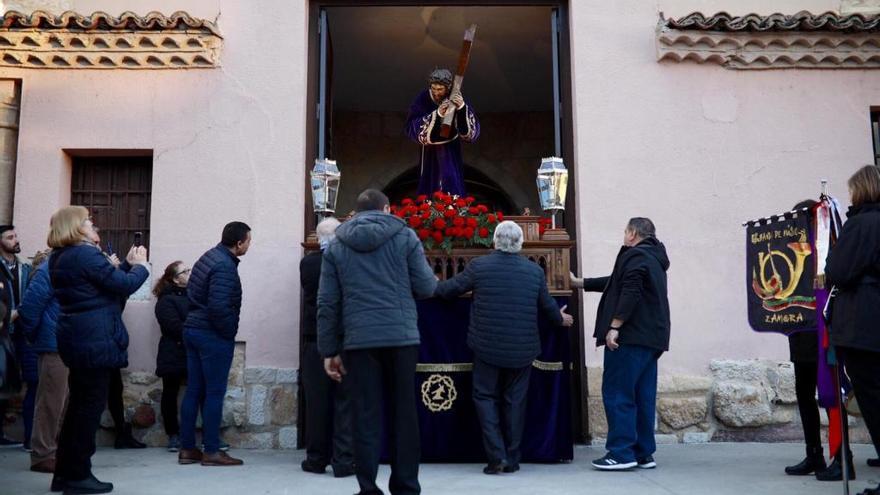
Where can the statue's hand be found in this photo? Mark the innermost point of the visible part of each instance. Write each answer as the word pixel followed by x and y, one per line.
pixel 443 108
pixel 458 100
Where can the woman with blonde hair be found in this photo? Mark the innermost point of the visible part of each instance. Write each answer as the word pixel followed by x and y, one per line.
pixel 853 266
pixel 92 339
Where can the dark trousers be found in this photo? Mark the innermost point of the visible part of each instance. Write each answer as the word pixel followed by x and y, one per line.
pixel 170 390
pixel 328 413
pixel 30 377
pixel 114 401
pixel 500 400
pixel 27 410
pixel 629 392
pixel 76 445
pixel 805 389
pixel 208 358
pixel 863 368
pixel 4 404
pixel 393 370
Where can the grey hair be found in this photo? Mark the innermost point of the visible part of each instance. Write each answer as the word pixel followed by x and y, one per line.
pixel 326 230
pixel 642 227
pixel 508 237
pixel 441 76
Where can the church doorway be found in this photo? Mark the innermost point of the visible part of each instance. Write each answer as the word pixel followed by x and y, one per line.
pixel 367 63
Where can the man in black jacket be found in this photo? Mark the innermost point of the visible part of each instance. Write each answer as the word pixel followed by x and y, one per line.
pixel 328 408
pixel 633 324
pixel 509 293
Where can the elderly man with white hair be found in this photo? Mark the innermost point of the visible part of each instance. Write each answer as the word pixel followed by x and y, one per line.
pixel 509 291
pixel 328 408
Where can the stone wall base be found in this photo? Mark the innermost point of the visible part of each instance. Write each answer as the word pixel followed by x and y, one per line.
pixel 737 401
pixel 259 410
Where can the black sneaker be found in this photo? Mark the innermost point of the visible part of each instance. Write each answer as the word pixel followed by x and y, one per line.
pixel 88 485
pixel 343 470
pixel 511 468
pixel 609 463
pixel 646 462
pixel 174 443
pixel 493 468
pixel 310 466
pixel 871 491
pixel 58 484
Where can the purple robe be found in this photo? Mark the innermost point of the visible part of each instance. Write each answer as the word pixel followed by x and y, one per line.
pixel 441 160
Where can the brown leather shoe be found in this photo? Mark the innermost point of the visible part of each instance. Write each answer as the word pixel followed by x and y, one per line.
pixel 47 466
pixel 189 456
pixel 220 459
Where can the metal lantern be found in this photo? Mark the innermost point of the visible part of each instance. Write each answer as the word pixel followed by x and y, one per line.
pixel 552 185
pixel 325 185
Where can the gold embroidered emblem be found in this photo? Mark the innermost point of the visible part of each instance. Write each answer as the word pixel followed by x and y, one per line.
pixel 438 393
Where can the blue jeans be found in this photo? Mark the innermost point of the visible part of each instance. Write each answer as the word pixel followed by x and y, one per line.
pixel 629 392
pixel 208 358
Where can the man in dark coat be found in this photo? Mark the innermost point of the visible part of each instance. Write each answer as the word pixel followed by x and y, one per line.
pixel 15 274
pixel 508 291
pixel 328 408
pixel 370 276
pixel 633 324
pixel 214 292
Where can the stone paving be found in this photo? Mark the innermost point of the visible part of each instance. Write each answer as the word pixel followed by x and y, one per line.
pixel 715 468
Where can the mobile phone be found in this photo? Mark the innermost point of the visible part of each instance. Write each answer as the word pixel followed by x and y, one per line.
pixel 138 239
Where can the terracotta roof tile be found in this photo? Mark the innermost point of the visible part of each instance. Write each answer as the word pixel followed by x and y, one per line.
pixel 802 21
pixel 154 21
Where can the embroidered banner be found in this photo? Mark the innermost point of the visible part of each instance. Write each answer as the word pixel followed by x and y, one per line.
pixel 780 269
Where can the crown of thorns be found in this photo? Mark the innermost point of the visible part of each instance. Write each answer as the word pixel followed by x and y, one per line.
pixel 441 76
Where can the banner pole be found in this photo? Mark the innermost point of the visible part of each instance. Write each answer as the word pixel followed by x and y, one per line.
pixel 844 429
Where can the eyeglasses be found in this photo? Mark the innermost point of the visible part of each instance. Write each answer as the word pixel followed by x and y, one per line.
pixel 182 272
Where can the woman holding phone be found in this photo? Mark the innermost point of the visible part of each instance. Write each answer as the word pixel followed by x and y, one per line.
pixel 92 339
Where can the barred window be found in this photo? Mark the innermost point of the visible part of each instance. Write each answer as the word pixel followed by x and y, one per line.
pixel 116 190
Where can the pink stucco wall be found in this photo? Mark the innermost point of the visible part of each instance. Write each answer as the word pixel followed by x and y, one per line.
pixel 697 148
pixel 700 149
pixel 228 145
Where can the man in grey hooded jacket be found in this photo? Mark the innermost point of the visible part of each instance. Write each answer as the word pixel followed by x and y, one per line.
pixel 371 275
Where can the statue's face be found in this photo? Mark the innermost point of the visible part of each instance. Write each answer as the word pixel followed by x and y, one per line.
pixel 438 91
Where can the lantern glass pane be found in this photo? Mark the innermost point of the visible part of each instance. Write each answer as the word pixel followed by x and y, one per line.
pixel 325 179
pixel 552 183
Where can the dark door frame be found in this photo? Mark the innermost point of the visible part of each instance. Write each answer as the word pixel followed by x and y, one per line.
pixel 580 418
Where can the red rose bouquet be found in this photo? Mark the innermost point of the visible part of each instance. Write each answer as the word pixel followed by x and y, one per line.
pixel 444 221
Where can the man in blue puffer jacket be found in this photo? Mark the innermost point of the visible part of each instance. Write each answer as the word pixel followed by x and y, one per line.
pixel 509 293
pixel 214 292
pixel 37 318
pixel 370 275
